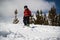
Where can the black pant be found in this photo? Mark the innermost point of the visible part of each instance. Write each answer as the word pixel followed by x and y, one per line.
pixel 26 20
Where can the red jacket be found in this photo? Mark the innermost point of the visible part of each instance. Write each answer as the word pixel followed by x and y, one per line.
pixel 27 12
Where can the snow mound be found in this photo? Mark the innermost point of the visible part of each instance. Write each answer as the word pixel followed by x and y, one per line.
pixel 20 32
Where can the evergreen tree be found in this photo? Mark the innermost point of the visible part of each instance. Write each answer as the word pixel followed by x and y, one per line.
pixel 15 21
pixel 31 19
pixel 58 20
pixel 45 20
pixel 40 12
pixel 52 15
pixel 39 17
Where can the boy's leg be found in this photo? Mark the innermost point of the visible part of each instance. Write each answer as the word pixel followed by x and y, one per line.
pixel 28 21
pixel 24 20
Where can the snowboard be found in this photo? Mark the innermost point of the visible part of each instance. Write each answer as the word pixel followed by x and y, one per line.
pixel 33 26
pixel 30 26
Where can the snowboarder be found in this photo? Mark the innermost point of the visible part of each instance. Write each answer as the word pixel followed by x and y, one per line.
pixel 27 14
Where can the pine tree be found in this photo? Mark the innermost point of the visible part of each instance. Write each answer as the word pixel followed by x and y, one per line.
pixel 58 20
pixel 40 12
pixel 31 19
pixel 15 21
pixel 39 17
pixel 45 20
pixel 52 15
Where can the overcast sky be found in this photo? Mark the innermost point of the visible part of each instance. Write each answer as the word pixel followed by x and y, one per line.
pixel 7 8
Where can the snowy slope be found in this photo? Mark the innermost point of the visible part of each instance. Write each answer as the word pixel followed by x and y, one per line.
pixel 20 32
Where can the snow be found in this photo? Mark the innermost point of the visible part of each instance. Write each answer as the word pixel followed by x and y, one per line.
pixel 20 32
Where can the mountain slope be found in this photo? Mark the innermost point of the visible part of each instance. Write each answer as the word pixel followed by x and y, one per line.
pixel 20 32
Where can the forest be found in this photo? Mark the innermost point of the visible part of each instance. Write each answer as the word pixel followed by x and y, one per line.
pixel 52 19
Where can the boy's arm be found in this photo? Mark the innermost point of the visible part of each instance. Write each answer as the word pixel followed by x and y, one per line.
pixel 30 13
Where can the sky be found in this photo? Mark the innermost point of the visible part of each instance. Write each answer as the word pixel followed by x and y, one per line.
pixel 7 7
pixel 57 3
